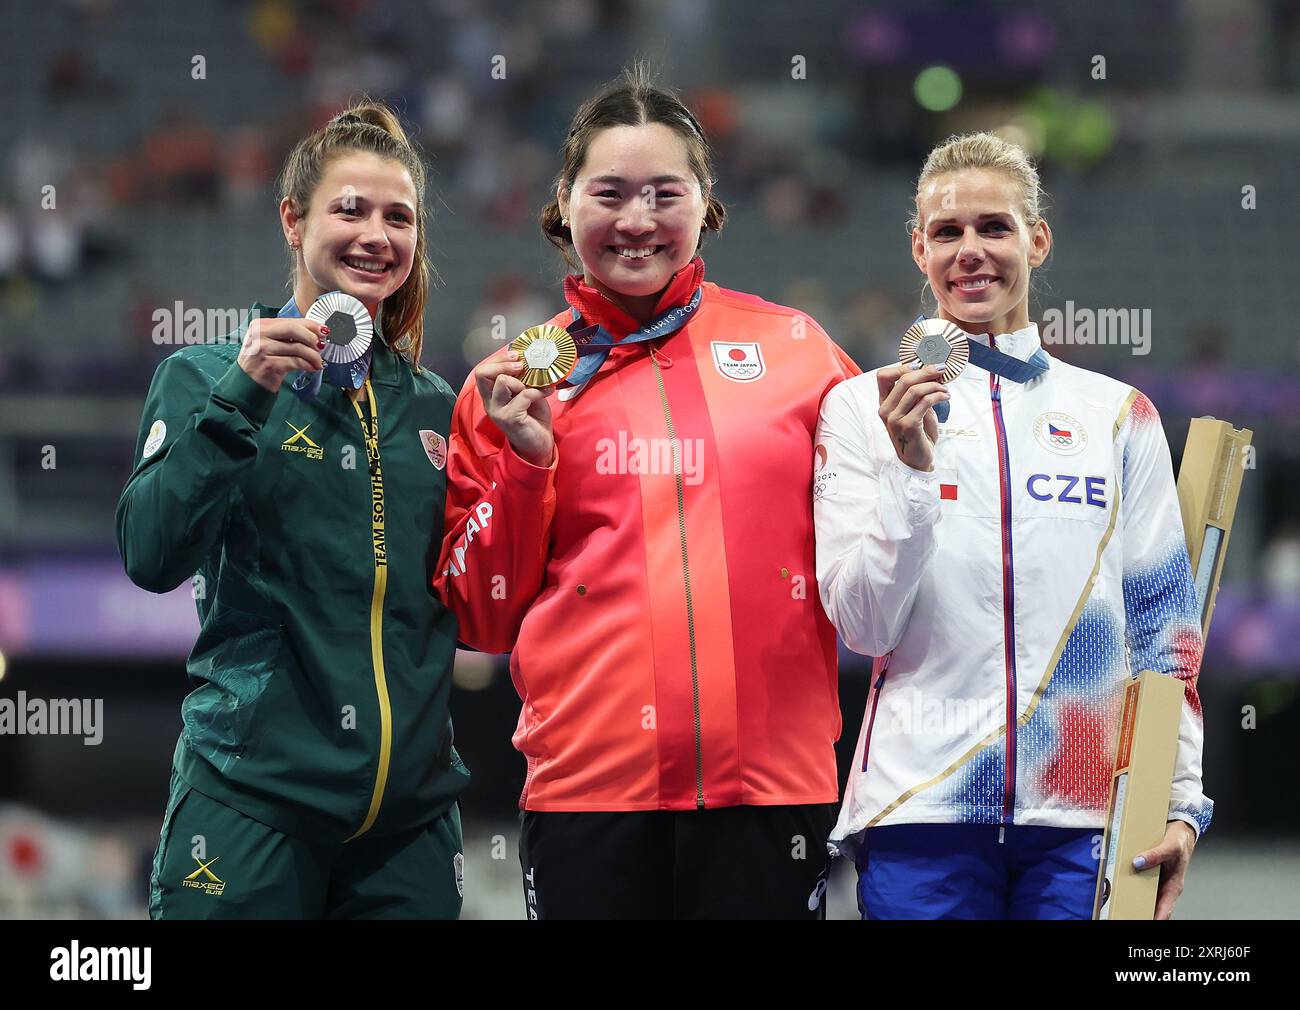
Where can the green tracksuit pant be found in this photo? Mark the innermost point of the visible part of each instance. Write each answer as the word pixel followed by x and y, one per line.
pixel 213 862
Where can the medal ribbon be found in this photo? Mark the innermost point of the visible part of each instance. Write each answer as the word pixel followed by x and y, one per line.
pixel 595 342
pixel 352 375
pixel 992 360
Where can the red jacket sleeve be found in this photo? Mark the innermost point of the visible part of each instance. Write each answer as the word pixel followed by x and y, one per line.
pixel 497 529
pixel 842 366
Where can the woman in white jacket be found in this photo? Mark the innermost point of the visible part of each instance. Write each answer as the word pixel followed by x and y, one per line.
pixel 1009 568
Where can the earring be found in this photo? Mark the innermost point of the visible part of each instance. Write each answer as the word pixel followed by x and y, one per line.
pixel 564 221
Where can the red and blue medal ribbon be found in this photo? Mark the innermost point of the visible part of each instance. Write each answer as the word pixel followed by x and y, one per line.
pixel 595 342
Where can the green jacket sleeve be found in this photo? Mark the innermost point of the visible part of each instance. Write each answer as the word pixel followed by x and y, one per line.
pixel 197 441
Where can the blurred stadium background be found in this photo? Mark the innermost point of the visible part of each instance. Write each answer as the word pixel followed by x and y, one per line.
pixel 164 195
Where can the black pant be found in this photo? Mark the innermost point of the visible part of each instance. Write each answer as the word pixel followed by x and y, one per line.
pixel 726 863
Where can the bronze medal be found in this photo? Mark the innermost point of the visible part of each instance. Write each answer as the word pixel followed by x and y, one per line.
pixel 936 342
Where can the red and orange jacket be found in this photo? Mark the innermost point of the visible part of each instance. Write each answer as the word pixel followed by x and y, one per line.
pixel 655 585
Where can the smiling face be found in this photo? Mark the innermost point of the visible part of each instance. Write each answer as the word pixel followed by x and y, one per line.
pixel 635 211
pixel 976 249
pixel 359 232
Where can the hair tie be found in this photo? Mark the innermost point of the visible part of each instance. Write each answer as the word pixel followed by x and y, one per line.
pixel 348 118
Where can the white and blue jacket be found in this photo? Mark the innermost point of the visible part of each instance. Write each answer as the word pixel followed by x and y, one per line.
pixel 1008 595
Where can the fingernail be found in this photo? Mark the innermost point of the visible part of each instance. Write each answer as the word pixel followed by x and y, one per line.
pixel 325 331
pixel 1139 862
pixel 320 345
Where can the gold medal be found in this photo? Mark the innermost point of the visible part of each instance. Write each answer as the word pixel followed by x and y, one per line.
pixel 936 342
pixel 549 354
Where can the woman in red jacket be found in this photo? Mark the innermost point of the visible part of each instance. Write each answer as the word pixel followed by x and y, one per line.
pixel 641 540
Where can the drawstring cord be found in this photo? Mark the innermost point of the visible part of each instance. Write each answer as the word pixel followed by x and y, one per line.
pixel 663 359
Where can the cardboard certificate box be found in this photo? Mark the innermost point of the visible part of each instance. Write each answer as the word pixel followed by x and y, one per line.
pixel 1209 483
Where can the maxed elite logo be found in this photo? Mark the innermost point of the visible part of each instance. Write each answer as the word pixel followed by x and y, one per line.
pixel 300 442
pixel 204 879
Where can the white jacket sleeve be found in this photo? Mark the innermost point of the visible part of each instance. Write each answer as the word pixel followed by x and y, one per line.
pixel 875 521
pixel 1163 626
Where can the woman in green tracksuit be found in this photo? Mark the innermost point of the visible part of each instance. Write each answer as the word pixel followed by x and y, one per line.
pixel 315 775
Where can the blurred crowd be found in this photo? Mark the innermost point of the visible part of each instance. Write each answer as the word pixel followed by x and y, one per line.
pixel 791 155
pixel 79 213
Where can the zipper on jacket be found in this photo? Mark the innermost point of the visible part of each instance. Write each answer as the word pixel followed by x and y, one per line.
pixel 380 543
pixel 1008 601
pixel 875 703
pixel 686 575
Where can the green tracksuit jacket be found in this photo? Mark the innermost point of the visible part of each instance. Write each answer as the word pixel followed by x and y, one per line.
pixel 323 665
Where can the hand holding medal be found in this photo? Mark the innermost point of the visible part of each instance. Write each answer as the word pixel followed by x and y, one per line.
pixel 349 333
pixel 274 347
pixel 520 409
pixel 931 352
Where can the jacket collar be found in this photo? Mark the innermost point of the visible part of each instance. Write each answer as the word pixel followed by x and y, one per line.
pixel 595 308
pixel 385 365
pixel 1021 344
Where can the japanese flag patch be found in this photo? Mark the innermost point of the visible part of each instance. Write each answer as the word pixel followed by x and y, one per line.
pixel 738 362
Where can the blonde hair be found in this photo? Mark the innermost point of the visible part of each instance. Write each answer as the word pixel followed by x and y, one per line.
pixel 984 150
pixel 372 127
